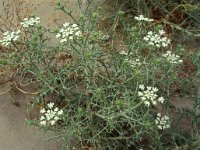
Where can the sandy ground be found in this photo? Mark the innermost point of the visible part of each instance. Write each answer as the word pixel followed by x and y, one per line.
pixel 15 134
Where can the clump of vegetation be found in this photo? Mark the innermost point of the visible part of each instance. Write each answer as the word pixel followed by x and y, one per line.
pixel 113 98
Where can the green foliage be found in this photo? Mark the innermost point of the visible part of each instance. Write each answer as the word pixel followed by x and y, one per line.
pixel 98 90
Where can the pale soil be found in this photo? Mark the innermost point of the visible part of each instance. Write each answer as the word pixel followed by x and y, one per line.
pixel 15 134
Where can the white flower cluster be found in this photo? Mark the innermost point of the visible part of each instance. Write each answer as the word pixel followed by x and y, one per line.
pixel 172 58
pixel 134 63
pixel 9 37
pixel 50 116
pixel 142 18
pixel 157 39
pixel 162 122
pixel 69 31
pixel 124 53
pixel 148 95
pixel 30 22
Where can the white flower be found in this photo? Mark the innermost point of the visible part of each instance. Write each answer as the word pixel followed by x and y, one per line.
pixel 42 118
pixel 172 58
pixel 159 114
pixel 154 102
pixel 147 103
pixel 70 37
pixel 144 99
pixel 52 122
pixel 148 95
pixel 123 53
pixel 140 93
pixel 157 39
pixel 63 40
pixel 159 127
pixel 30 22
pixel 149 88
pixel 167 126
pixel 56 109
pixel 56 118
pixel 155 89
pixel 162 122
pixel 42 110
pixel 9 37
pixel 50 105
pixel 43 123
pixel 60 112
pixel 161 32
pixel 68 32
pixel 150 33
pixel 146 38
pixel 48 117
pixel 134 63
pixel 51 115
pixel 66 24
pixel 151 43
pixel 180 61
pixel 78 33
pixel 74 25
pixel 141 86
pixel 58 35
pixel 161 99
pixel 142 18
pixel 166 117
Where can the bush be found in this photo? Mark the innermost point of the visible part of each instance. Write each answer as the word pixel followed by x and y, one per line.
pixel 117 99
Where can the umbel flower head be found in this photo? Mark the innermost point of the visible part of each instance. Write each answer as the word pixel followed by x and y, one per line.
pixel 142 18
pixel 68 32
pixel 172 58
pixel 123 53
pixel 8 37
pixel 30 22
pixel 148 95
pixel 134 63
pixel 50 115
pixel 162 122
pixel 157 39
